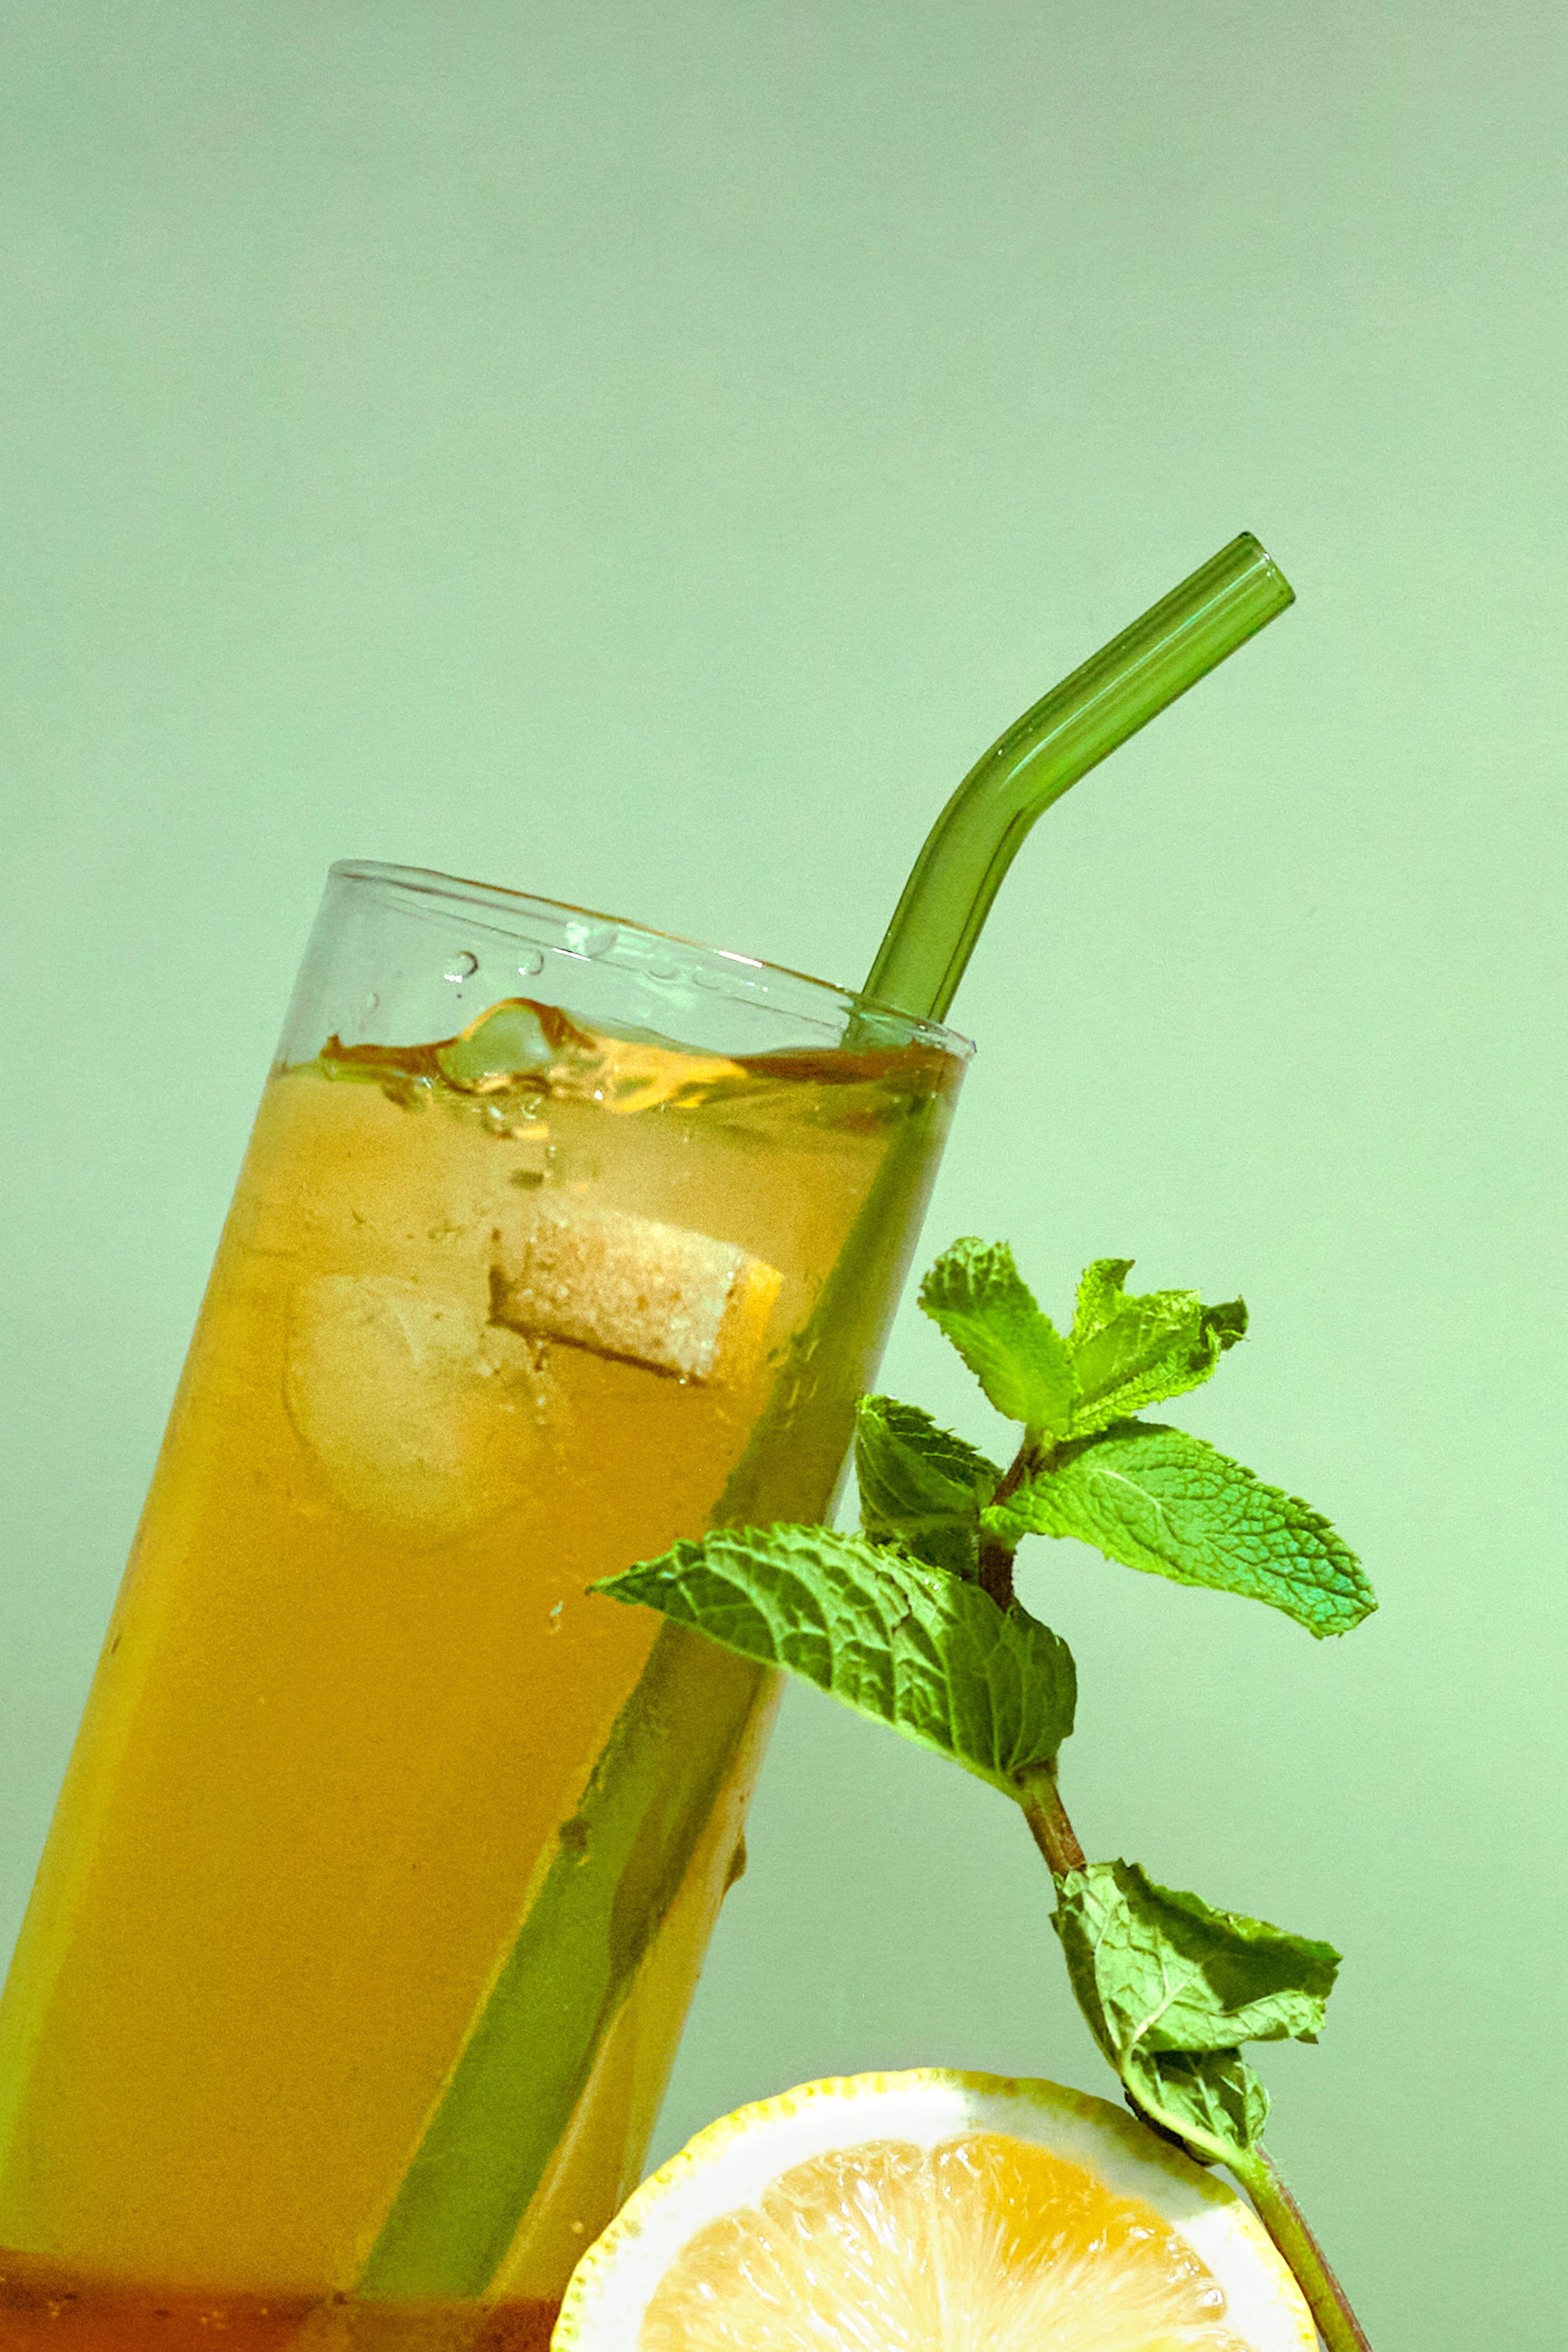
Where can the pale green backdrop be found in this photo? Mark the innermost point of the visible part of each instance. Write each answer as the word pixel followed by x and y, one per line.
pixel 644 453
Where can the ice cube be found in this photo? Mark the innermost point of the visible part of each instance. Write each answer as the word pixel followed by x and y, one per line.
pixel 505 1048
pixel 622 1285
pixel 418 1413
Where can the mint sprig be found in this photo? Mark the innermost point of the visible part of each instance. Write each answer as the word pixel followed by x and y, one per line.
pixel 1146 1496
pixel 914 1623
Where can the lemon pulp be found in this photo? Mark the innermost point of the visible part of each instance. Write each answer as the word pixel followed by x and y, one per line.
pixel 986 2243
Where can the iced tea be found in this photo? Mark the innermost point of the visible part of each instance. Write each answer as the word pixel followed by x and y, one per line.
pixel 490 1319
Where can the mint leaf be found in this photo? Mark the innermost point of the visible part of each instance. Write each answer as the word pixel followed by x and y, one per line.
pixel 1101 1294
pixel 1154 1498
pixel 978 1299
pixel 919 1485
pixel 1129 1351
pixel 1210 2099
pixel 1170 1985
pixel 905 1644
pixel 1156 1970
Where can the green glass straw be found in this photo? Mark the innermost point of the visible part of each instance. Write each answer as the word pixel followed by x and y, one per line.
pixel 489 2140
pixel 980 832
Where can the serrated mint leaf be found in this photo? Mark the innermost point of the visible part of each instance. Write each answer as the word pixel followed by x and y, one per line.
pixel 1156 1969
pixel 1154 1498
pixel 919 1485
pixel 978 1299
pixel 1210 2099
pixel 1101 1290
pixel 1130 1350
pixel 908 1644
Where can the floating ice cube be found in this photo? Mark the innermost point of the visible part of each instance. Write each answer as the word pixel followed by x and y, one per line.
pixel 656 1294
pixel 504 1048
pixel 418 1413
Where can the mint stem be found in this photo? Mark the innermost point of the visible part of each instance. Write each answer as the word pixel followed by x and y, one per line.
pixel 1039 1800
pixel 1286 2223
pixel 994 1565
pixel 1049 1826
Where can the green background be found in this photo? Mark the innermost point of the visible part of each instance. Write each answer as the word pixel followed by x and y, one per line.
pixel 644 454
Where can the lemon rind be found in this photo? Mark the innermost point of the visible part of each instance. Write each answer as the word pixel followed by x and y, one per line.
pixel 730 2163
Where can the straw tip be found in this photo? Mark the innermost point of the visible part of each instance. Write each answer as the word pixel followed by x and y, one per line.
pixel 1251 550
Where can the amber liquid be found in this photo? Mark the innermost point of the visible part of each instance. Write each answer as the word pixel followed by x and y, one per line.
pixel 356 1685
pixel 46 2307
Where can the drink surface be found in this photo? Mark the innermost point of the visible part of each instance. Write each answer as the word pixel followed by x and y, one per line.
pixel 490 1319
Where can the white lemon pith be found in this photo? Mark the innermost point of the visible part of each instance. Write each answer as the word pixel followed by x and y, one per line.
pixel 932 2212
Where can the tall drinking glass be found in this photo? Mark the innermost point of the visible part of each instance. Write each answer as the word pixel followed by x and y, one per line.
pixel 388 1854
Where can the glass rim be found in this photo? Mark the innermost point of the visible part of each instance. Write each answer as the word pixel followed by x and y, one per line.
pixel 744 975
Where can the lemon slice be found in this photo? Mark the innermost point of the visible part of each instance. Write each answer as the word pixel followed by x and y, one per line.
pixel 932 2212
